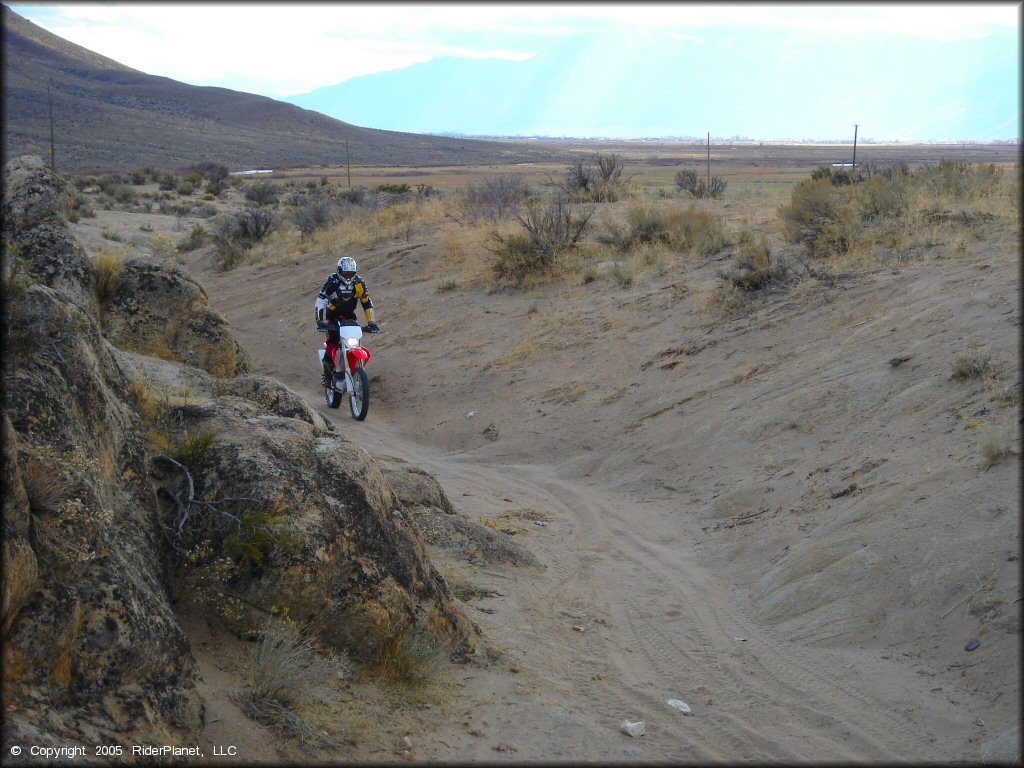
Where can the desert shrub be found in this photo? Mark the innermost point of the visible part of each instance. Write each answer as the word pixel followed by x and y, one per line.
pixel 971 364
pixel 497 197
pixel 163 247
pixel 123 194
pixel 197 238
pixel 394 189
pixel 688 180
pixel 836 178
pixel 312 216
pixel 961 180
pixel 700 230
pixel 193 177
pixel 410 658
pixel 712 239
pixel 621 274
pixel 262 193
pixel 109 267
pixel 167 182
pixel 812 214
pixel 685 230
pixel 609 167
pixel 579 177
pixel 883 207
pixel 547 232
pixel 185 189
pixel 216 177
pixel 753 267
pixel 205 211
pixel 227 244
pixel 254 223
pixel 883 197
pixel 599 181
pixel 352 195
pixel 644 225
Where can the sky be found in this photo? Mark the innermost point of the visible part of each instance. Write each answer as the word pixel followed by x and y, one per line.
pixel 281 50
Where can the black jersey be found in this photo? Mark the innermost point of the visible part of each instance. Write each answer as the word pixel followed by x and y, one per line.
pixel 341 299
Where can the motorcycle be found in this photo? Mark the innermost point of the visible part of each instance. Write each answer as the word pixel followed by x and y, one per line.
pixel 352 380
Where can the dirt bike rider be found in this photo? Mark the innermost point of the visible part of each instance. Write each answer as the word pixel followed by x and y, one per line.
pixel 337 301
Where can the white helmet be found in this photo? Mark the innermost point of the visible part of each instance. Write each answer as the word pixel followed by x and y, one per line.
pixel 347 268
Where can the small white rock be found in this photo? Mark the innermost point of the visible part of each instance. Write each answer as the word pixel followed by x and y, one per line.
pixel 471 414
pixel 407 742
pixel 682 706
pixel 632 729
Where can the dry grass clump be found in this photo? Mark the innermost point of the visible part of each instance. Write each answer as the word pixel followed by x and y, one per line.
pixel 971 364
pixel 687 229
pixel 409 658
pixel 286 669
pixel 726 301
pixel 753 267
pixel 109 268
pixel 995 445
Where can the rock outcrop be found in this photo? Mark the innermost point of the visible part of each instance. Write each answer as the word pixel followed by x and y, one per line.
pixel 125 475
pixel 162 311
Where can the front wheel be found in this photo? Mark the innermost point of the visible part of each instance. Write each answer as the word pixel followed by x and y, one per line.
pixel 359 397
pixel 331 395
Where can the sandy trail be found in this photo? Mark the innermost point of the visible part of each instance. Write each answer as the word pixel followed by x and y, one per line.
pixel 627 564
pixel 656 626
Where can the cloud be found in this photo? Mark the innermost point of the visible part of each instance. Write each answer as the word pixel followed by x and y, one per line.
pixel 283 49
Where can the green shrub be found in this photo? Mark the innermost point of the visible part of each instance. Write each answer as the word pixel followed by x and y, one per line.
pixel 395 189
pixel 193 448
pixel 836 178
pixel 261 534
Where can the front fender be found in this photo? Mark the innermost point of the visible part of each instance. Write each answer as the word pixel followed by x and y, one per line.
pixel 358 355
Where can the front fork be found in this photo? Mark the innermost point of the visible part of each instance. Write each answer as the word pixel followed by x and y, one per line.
pixel 348 371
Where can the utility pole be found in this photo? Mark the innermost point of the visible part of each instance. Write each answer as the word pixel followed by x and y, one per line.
pixel 348 165
pixel 853 171
pixel 709 162
pixel 49 99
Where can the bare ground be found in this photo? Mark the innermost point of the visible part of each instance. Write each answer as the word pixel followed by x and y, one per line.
pixel 783 520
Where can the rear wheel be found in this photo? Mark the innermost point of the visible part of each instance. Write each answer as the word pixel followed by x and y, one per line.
pixel 359 397
pixel 332 396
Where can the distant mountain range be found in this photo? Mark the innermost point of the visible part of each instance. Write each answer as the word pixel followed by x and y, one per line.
pixel 109 116
pixel 768 85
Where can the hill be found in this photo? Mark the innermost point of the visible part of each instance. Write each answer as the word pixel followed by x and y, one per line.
pixel 109 116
